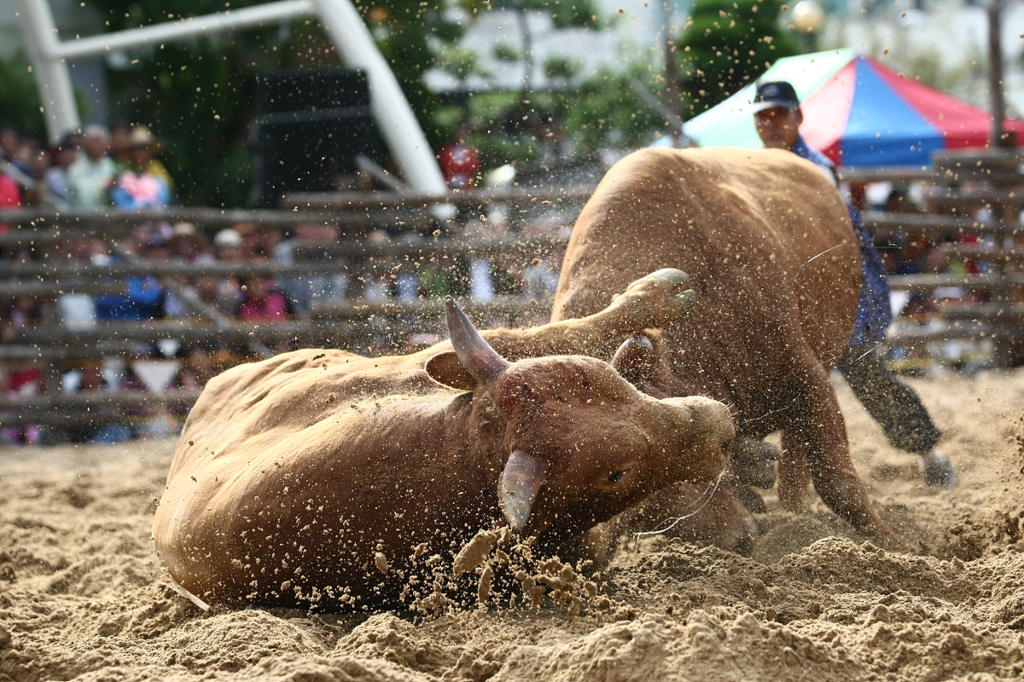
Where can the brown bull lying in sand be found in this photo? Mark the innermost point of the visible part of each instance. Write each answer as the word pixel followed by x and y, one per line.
pixel 770 250
pixel 303 477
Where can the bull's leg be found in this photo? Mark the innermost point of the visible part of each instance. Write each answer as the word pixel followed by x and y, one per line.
pixel 793 473
pixel 651 302
pixel 820 426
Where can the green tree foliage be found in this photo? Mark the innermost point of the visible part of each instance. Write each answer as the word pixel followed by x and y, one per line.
pixel 608 112
pixel 508 134
pixel 19 96
pixel 567 13
pixel 728 44
pixel 410 34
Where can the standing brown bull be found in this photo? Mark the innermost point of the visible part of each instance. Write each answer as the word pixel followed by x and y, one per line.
pixel 771 252
pixel 301 478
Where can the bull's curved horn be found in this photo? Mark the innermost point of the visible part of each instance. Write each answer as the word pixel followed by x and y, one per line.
pixel 520 481
pixel 635 358
pixel 475 354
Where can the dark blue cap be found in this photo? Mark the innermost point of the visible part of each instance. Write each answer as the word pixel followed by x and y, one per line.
pixel 775 95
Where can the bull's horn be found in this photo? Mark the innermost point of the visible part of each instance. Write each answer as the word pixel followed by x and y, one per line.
pixel 634 359
pixel 520 481
pixel 479 359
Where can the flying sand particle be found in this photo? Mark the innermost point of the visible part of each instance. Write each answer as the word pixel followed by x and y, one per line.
pixel 475 552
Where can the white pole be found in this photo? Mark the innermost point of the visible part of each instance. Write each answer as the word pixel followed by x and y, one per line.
pixel 187 28
pixel 398 124
pixel 395 118
pixel 49 69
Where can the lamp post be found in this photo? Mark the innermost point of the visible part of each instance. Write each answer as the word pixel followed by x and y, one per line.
pixel 807 17
pixel 672 77
pixel 995 74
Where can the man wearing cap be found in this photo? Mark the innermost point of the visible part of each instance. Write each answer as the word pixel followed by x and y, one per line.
pixel 92 173
pixel 56 176
pixel 894 405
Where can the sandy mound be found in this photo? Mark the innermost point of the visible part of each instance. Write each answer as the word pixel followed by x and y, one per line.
pixel 82 596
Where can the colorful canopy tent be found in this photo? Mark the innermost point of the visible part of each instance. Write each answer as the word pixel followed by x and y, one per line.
pixel 857 111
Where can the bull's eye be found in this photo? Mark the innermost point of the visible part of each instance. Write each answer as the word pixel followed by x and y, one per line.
pixel 615 475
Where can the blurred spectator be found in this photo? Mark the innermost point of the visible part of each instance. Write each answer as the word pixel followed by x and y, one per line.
pixel 228 247
pixel 506 266
pixel 120 142
pixel 252 242
pixel 170 306
pixel 187 243
pixel 403 270
pixel 92 174
pixel 10 195
pixel 228 244
pixel 56 176
pixel 540 280
pixel 222 299
pixel 481 282
pixel 915 255
pixel 21 380
pixel 78 310
pixel 144 182
pixel 550 138
pixel 267 239
pixel 143 299
pixel 262 302
pixel 197 369
pixel 10 143
pixel 109 426
pixel 34 157
pixel 377 282
pixel 376 277
pixel 407 285
pixel 145 148
pixel 303 291
pixel 459 161
pixel 899 201
pixel 481 286
pixel 23 311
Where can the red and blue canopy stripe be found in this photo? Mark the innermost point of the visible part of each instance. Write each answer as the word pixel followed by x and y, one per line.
pixel 857 111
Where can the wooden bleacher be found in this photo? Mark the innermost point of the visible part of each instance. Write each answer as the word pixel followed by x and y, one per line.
pixel 992 307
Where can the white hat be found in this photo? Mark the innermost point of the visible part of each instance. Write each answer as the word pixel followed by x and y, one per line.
pixel 228 237
pixel 184 229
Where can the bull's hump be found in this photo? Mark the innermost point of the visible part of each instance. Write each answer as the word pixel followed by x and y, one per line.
pixel 294 391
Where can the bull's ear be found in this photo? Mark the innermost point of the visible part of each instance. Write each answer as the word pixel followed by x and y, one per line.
pixel 446 369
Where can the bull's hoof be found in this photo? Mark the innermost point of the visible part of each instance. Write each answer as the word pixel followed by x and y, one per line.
pixel 672 275
pixel 656 300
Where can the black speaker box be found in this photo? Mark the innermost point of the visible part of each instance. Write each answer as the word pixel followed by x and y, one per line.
pixel 312 126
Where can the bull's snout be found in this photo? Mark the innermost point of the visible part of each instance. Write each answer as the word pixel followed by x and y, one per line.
pixel 708 432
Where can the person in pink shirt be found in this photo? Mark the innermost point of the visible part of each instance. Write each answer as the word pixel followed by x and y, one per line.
pixel 262 302
pixel 10 196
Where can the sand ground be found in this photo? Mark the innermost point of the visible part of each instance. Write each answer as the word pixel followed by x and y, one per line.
pixel 83 597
